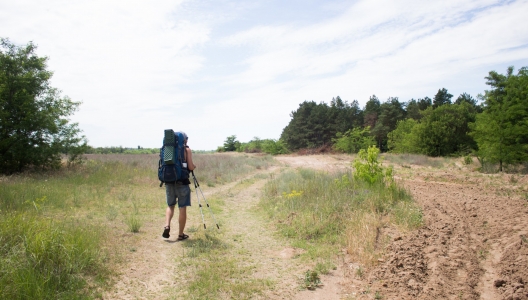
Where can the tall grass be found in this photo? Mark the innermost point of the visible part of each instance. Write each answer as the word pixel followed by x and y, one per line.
pixel 220 168
pixel 105 174
pixel 42 258
pixel 321 211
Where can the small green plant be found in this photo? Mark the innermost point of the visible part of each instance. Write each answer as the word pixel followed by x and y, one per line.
pixel 38 202
pixel 468 160
pixel 134 223
pixel 311 280
pixel 482 254
pixel 111 213
pixel 369 169
pixel 324 267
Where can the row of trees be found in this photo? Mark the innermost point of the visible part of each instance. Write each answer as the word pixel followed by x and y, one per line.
pixel 121 150
pixel 317 124
pixel 256 145
pixel 496 130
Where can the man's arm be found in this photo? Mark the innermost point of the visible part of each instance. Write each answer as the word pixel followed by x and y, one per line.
pixel 190 164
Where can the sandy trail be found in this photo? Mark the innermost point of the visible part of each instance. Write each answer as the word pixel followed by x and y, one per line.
pixel 150 269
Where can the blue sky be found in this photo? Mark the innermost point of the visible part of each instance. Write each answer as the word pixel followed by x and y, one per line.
pixel 220 68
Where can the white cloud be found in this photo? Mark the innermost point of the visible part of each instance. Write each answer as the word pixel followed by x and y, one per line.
pixel 213 69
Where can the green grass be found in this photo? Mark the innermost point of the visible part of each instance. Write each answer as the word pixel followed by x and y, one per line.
pixel 133 222
pixel 323 212
pixel 44 258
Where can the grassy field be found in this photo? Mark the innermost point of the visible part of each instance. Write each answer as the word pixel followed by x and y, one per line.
pixel 56 228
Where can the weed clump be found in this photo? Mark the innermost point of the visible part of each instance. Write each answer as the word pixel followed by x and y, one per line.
pixel 311 280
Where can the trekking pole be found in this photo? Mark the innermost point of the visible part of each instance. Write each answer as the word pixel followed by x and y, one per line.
pixel 198 197
pixel 197 187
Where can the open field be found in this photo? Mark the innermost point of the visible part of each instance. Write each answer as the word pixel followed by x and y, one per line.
pixel 471 242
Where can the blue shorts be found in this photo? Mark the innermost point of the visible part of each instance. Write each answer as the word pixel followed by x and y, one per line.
pixel 180 191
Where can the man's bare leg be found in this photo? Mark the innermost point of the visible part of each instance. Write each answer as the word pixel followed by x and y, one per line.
pixel 182 219
pixel 168 215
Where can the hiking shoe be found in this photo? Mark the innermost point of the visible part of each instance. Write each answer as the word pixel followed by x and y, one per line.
pixel 166 232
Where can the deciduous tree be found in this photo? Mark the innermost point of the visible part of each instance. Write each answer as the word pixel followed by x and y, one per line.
pixel 34 118
pixel 231 143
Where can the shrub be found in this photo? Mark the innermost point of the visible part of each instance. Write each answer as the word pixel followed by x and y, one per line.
pixel 369 169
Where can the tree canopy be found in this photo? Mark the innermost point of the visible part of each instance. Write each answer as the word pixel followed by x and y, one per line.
pixel 231 143
pixel 501 130
pixel 316 124
pixel 34 125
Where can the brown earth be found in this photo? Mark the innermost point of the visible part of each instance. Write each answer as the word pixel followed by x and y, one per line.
pixel 473 245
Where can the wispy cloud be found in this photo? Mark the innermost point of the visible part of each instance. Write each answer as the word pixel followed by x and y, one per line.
pixel 217 68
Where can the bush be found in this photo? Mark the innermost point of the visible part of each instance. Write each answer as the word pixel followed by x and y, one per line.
pixel 368 168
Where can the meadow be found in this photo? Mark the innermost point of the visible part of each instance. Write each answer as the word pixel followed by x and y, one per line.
pixel 58 229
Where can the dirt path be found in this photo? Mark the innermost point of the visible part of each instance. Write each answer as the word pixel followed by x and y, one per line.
pixel 150 262
pixel 473 244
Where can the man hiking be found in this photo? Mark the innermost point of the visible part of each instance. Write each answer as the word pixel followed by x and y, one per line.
pixel 181 192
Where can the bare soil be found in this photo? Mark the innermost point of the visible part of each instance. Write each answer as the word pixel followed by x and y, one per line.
pixel 473 245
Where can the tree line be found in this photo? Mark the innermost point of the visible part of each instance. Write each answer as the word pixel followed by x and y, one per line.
pixel 495 129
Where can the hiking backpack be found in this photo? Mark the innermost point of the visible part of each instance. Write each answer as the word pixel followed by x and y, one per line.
pixel 172 157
